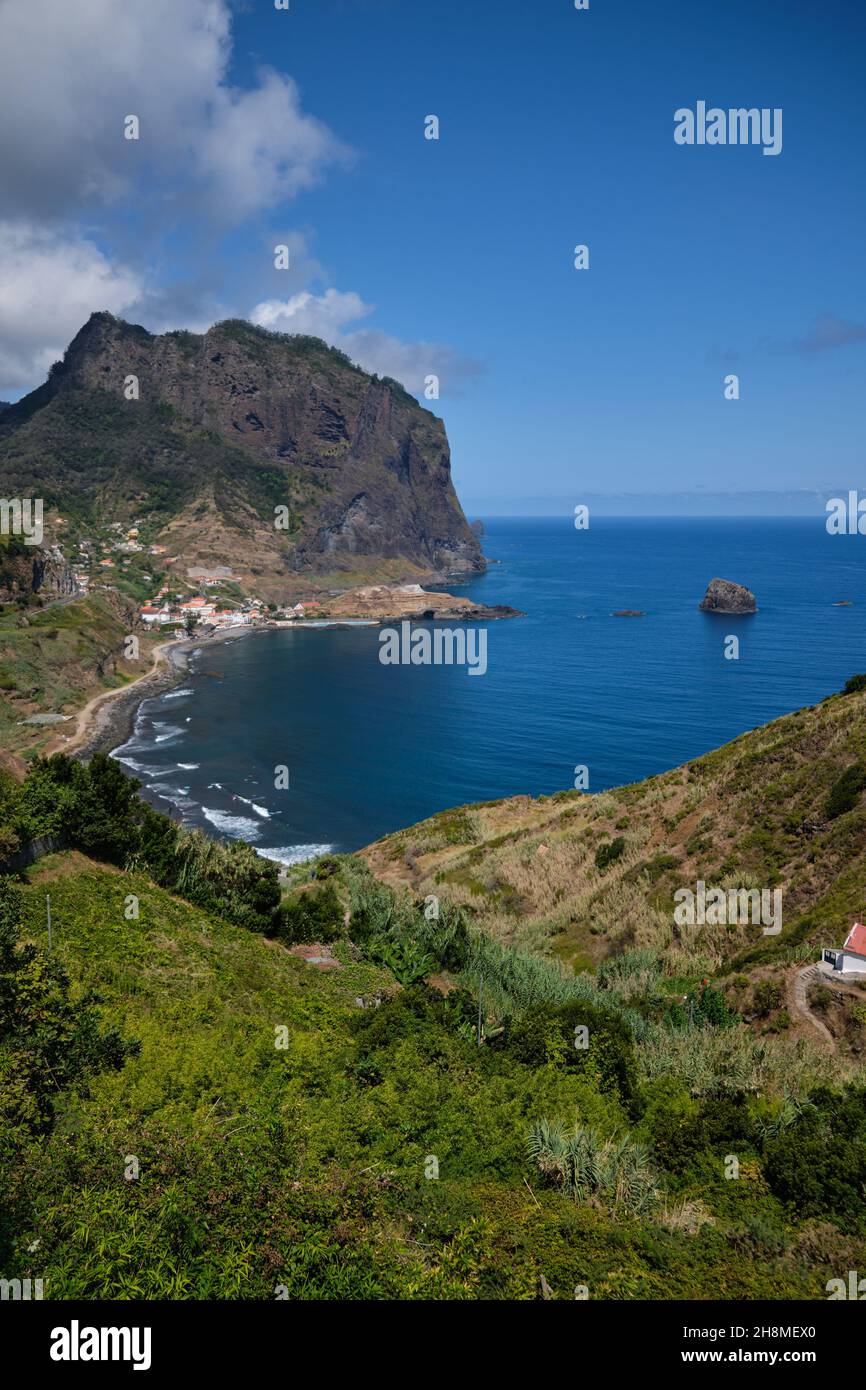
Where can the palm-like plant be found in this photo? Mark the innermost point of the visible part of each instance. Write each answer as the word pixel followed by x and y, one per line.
pixel 585 1166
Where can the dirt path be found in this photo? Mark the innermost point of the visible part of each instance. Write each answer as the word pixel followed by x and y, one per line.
pixel 798 997
pixel 798 1000
pixel 88 717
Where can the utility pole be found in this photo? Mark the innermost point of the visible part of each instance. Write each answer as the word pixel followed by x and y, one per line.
pixel 48 914
pixel 480 988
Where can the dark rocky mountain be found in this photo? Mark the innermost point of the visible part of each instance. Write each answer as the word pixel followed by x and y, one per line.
pixel 228 427
pixel 4 405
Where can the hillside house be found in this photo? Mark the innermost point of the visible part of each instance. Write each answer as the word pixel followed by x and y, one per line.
pixel 198 607
pixel 851 959
pixel 149 614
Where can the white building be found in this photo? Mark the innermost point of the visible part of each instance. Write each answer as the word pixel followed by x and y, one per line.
pixel 198 608
pixel 851 959
pixel 232 619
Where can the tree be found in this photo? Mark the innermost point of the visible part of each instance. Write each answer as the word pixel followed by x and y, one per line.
pixel 316 915
pixel 579 1037
pixel 107 811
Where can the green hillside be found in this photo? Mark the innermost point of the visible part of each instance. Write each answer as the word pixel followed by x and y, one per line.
pixel 53 659
pixel 305 1167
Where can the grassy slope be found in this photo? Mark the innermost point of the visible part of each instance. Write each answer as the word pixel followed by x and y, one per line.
pixel 53 660
pixel 752 813
pixel 261 1167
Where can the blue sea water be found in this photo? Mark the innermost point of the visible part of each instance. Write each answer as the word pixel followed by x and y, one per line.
pixel 371 748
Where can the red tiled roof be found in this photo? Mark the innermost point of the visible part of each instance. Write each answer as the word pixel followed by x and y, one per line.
pixel 856 940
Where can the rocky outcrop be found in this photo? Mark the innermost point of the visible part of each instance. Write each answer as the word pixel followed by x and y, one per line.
pixel 26 572
pixel 724 596
pixel 389 602
pixel 227 427
pixel 52 576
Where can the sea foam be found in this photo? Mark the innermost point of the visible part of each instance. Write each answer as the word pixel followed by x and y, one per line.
pixel 295 854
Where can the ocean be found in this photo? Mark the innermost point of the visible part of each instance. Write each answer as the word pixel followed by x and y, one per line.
pixel 367 748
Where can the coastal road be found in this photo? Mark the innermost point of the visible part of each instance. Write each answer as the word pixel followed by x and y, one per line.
pixel 87 718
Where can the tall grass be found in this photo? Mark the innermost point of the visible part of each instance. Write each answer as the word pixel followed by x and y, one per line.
pixel 734 1060
pixel 515 980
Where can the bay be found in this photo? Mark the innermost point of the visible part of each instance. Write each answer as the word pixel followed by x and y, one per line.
pixel 371 748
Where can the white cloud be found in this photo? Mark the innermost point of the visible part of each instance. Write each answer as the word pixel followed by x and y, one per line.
pixel 71 73
pixel 329 315
pixel 49 286
pixel 322 316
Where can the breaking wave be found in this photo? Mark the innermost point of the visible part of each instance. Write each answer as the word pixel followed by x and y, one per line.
pixel 295 854
pixel 237 827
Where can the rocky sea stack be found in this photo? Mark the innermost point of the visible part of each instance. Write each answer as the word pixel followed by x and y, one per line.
pixel 724 596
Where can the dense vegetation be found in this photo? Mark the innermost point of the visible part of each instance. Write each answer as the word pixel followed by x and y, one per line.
pixel 447 1110
pixel 96 809
pixel 280 1130
pixel 48 1041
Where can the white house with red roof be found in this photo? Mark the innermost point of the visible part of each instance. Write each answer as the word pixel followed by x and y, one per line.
pixel 199 607
pixel 151 614
pixel 851 959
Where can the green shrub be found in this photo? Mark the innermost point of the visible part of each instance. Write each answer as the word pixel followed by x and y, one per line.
pixel 817 1165
pixel 327 867
pixel 845 792
pixel 49 1041
pixel 605 1051
pixel 767 996
pixel 313 915
pixel 609 852
pixel 45 804
pixel 681 1129
pixel 407 960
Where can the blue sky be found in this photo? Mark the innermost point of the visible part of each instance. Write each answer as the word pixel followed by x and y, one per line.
pixel 457 255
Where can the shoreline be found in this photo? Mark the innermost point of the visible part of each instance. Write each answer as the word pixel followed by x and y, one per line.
pixel 107 720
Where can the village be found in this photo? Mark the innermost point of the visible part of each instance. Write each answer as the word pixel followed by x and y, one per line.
pixel 179 599
pixel 175 614
pixel 212 598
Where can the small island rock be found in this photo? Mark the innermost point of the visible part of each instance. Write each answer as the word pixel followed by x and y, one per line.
pixel 724 596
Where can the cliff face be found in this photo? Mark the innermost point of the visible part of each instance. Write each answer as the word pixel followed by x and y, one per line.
pixel 52 576
pixel 228 426
pixel 25 571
